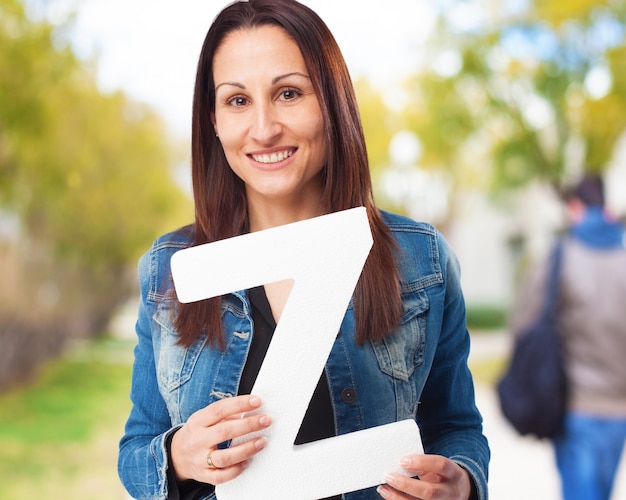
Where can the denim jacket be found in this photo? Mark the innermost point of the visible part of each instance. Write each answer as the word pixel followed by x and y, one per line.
pixel 419 371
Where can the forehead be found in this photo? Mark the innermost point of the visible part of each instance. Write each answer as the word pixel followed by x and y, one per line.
pixel 256 51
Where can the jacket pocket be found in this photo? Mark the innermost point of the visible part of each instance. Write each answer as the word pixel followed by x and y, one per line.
pixel 402 351
pixel 175 363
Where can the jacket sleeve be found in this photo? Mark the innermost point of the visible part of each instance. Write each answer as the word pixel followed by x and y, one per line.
pixel 142 461
pixel 449 420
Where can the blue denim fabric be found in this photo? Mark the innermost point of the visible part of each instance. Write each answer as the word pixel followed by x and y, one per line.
pixel 419 371
pixel 588 455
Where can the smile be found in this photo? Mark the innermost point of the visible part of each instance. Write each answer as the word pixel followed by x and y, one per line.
pixel 272 158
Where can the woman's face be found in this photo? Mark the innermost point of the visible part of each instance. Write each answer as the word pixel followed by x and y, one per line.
pixel 268 117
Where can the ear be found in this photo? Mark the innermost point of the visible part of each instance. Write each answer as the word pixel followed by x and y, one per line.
pixel 575 210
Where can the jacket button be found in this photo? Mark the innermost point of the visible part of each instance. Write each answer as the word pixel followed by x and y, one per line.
pixel 348 395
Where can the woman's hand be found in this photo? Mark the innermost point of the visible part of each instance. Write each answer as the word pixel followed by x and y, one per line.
pixel 439 478
pixel 194 452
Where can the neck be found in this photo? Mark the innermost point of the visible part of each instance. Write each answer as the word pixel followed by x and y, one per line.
pixel 598 231
pixel 265 215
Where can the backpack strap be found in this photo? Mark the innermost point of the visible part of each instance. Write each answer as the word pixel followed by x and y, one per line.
pixel 553 281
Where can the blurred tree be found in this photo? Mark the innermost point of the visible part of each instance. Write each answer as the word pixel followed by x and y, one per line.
pixel 517 91
pixel 87 177
pixel 379 125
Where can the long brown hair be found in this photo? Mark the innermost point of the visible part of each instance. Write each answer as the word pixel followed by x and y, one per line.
pixel 220 200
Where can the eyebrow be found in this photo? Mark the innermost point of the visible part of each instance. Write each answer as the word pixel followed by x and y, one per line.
pixel 280 77
pixel 274 80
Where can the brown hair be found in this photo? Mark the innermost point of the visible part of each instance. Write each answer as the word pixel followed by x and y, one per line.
pixel 220 200
pixel 589 190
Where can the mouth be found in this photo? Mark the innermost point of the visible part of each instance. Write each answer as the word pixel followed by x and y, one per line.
pixel 276 157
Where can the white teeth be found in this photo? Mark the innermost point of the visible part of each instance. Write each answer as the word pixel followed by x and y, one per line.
pixel 273 158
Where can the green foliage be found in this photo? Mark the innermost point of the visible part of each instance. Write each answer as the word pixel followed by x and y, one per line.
pixel 439 117
pixel 522 90
pixel 378 124
pixel 87 175
pixel 86 172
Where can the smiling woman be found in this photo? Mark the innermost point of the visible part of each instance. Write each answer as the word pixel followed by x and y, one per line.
pixel 270 125
pixel 276 139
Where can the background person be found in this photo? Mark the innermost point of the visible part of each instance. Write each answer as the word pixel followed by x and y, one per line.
pixel 277 138
pixel 592 327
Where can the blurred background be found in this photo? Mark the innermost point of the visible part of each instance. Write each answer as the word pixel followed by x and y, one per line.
pixel 477 113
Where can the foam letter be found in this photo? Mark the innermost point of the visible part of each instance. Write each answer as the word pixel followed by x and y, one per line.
pixel 324 256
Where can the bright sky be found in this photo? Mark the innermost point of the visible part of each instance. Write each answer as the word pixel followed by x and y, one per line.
pixel 149 48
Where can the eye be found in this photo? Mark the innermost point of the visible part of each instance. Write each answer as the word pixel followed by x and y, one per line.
pixel 290 94
pixel 237 101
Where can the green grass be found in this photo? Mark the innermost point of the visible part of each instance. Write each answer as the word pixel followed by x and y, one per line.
pixel 486 317
pixel 59 434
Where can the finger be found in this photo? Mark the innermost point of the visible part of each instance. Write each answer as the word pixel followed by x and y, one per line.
pixel 227 409
pixel 403 487
pixel 231 429
pixel 226 457
pixel 389 493
pixel 228 463
pixel 420 465
pixel 222 475
pixel 439 477
pixel 402 484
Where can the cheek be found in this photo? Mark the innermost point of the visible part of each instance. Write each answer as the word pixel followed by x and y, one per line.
pixel 321 144
pixel 226 126
pixel 231 149
pixel 314 130
pixel 228 137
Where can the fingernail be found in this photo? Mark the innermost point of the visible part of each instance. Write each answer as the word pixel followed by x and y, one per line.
pixel 265 420
pixel 383 491
pixel 405 462
pixel 260 443
pixel 391 478
pixel 254 401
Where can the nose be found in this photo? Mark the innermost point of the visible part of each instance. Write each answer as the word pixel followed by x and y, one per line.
pixel 266 126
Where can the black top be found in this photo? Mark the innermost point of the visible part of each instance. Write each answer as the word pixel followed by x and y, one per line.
pixel 318 421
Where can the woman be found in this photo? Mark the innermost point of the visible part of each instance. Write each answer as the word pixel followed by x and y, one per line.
pixel 276 139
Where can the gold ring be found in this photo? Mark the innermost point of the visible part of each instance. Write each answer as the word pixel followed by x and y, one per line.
pixel 209 462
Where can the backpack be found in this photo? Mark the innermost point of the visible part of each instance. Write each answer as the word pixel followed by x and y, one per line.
pixel 533 390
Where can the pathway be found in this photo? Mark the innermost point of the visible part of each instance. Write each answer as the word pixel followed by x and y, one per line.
pixel 521 467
